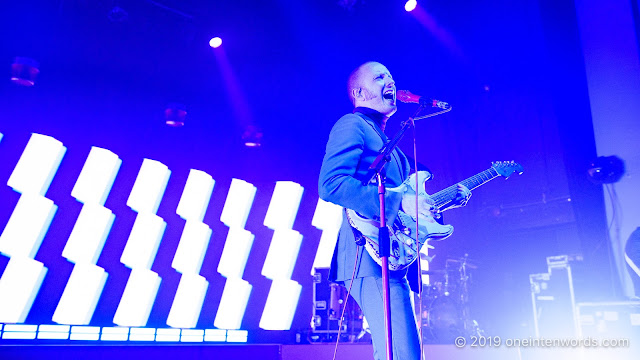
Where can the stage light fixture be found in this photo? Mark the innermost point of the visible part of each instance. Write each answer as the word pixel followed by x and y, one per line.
pixel 168 335
pixel 281 257
pixel 87 333
pixel 136 303
pixel 347 4
pixel 192 335
pixel 188 301
pixel 237 246
pixel 410 5
pixel 149 187
pixel 19 285
pixel 215 42
pixel 80 297
pixel 24 71
pixel 118 15
pixel 606 170
pixel 175 114
pixel 195 196
pixel 142 334
pixel 192 247
pixel 18 331
pixel 54 332
pixel 252 136
pixel 233 304
pixel 114 334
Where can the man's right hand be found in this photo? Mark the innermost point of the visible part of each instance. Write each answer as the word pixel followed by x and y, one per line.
pixel 425 209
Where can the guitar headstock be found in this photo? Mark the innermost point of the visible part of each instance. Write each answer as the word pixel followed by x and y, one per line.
pixel 506 168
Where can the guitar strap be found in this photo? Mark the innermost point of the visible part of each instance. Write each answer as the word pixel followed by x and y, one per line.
pixel 359 238
pixel 357 235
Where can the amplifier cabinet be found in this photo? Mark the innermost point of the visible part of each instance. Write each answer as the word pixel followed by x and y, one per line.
pixel 553 300
pixel 612 320
pixel 329 300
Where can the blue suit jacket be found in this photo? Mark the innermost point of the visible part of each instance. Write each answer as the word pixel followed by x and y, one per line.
pixel 354 143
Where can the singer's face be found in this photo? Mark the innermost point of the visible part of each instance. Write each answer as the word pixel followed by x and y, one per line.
pixel 378 89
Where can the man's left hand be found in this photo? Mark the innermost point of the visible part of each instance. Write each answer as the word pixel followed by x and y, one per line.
pixel 462 196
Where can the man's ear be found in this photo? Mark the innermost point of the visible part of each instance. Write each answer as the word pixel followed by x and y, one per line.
pixel 357 93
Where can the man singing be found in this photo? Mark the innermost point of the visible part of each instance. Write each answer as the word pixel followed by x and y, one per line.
pixel 354 143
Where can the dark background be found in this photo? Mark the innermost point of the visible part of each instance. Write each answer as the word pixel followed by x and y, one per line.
pixel 513 72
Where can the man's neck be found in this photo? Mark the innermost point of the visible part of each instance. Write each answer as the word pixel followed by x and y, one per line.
pixel 375 115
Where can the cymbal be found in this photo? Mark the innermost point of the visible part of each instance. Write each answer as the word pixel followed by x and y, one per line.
pixel 467 263
pixel 426 257
pixel 438 272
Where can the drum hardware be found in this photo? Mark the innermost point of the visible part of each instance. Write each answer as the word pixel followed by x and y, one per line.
pixel 446 309
pixel 446 283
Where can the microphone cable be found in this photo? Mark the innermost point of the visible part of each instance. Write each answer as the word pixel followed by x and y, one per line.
pixel 428 116
pixel 415 166
pixel 344 306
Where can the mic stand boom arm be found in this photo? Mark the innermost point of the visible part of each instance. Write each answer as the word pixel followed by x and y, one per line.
pixel 383 157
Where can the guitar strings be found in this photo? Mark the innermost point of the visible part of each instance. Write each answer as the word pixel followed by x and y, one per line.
pixel 473 182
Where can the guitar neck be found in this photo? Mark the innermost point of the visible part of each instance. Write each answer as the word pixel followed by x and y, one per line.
pixel 445 196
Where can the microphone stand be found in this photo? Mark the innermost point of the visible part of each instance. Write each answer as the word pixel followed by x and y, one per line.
pixel 384 243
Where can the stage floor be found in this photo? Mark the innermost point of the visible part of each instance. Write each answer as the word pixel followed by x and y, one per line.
pixel 297 352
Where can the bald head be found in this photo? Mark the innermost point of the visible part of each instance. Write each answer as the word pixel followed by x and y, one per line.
pixel 355 79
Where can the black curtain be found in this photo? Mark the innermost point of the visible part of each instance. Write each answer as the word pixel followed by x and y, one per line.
pixel 570 100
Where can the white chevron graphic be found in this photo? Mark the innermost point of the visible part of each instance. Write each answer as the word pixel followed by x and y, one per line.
pixel 33 213
pixel 283 252
pixel 328 218
pixel 193 245
pixel 28 224
pixel 234 256
pixel 85 285
pixel 142 245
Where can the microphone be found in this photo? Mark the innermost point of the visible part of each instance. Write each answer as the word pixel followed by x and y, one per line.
pixel 407 97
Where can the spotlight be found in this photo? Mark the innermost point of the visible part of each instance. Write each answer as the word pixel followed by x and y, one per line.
pixel 175 114
pixel 215 42
pixel 606 170
pixel 118 15
pixel 252 136
pixel 24 71
pixel 410 5
pixel 347 4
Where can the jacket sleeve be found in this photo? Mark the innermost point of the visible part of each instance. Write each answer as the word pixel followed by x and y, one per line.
pixel 339 182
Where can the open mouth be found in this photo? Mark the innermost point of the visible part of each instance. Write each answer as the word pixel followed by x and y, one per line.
pixel 388 95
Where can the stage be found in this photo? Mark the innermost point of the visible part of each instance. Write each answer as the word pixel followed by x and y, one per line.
pixel 294 352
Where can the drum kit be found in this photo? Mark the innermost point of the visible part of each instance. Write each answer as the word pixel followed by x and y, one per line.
pixel 445 306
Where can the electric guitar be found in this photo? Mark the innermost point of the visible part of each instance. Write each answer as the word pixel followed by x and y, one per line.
pixel 405 245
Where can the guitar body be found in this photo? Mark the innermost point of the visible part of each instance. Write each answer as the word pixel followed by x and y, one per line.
pixel 406 242
pixel 405 245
